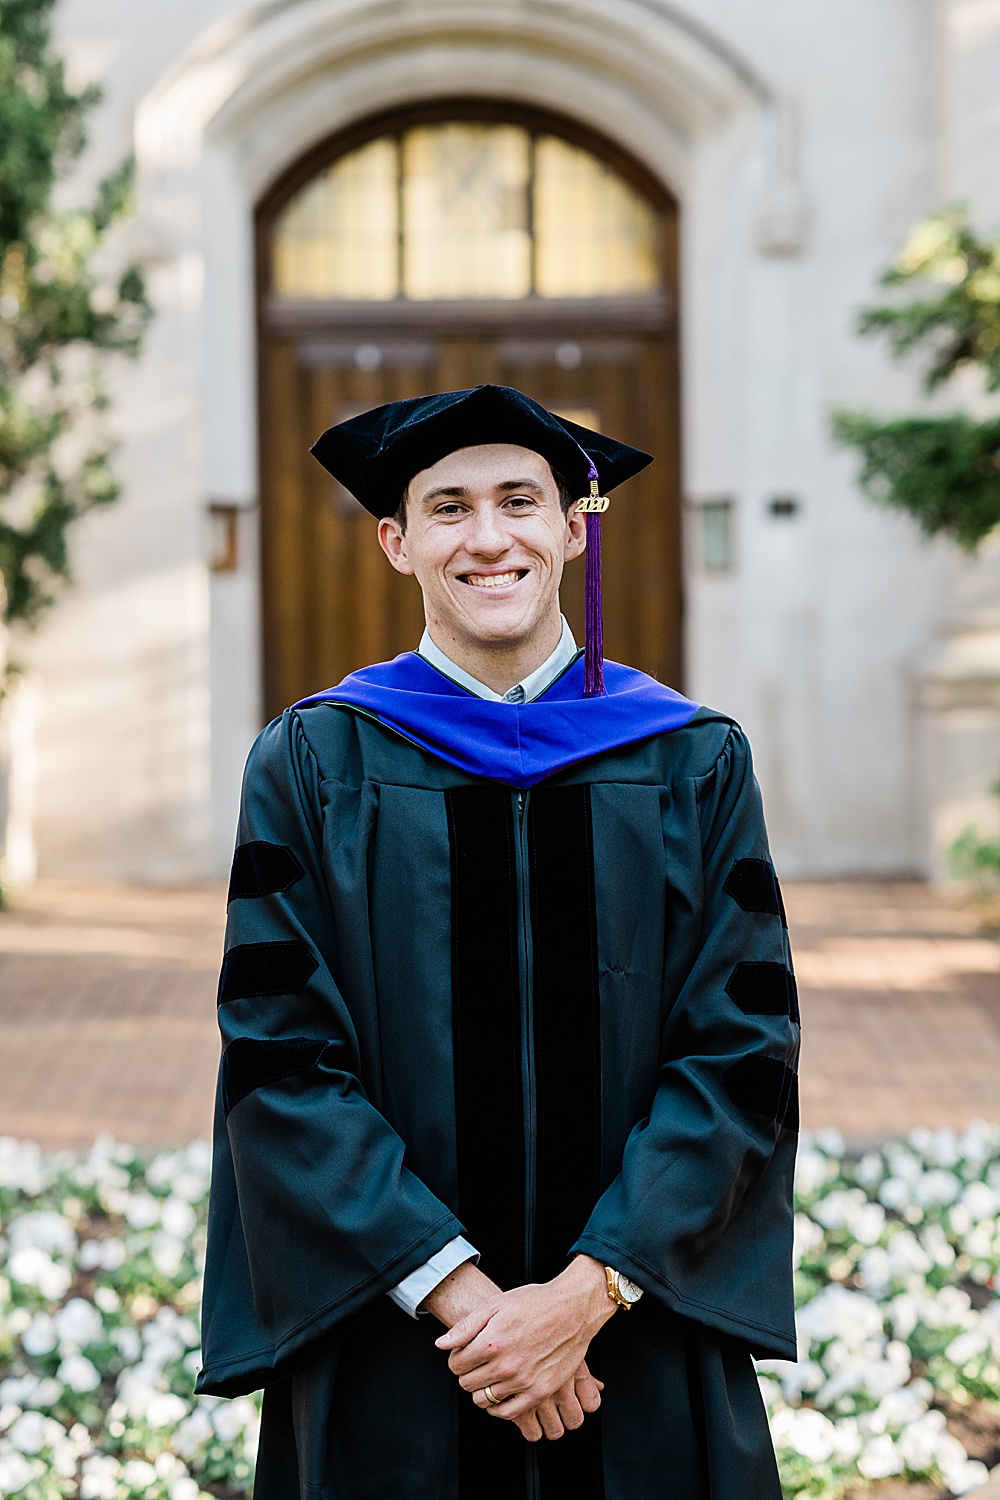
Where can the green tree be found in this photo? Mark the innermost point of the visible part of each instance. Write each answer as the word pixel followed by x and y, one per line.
pixel 61 313
pixel 945 471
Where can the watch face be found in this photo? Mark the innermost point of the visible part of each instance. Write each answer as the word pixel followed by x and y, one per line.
pixel 628 1289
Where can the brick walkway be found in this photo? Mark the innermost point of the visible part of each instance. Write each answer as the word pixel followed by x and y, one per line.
pixel 107 1015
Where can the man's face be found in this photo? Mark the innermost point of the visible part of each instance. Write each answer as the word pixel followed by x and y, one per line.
pixel 487 540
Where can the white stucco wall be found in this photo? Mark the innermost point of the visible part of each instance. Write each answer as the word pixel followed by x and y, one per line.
pixel 860 115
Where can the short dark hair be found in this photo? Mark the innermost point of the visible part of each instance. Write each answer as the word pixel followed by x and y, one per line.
pixel 566 500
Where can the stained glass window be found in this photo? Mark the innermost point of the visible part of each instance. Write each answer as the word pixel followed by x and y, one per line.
pixel 594 235
pixel 338 237
pixel 466 210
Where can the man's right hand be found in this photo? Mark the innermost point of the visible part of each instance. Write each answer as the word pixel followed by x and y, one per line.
pixel 459 1294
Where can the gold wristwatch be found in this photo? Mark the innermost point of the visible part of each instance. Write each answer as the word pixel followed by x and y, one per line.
pixel 622 1291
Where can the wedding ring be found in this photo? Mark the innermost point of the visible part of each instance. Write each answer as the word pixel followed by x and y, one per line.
pixel 493 1400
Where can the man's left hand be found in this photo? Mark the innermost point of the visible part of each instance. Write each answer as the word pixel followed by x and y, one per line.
pixel 527 1344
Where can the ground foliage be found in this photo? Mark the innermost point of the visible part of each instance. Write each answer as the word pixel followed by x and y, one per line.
pixel 975 859
pixel 945 471
pixel 897 1257
pixel 62 312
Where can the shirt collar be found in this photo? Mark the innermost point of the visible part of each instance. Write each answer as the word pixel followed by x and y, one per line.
pixel 532 686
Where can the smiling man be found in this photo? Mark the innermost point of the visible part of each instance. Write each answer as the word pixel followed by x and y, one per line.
pixel 509 1030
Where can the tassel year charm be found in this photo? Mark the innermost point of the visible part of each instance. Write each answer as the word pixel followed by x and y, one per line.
pixel 592 506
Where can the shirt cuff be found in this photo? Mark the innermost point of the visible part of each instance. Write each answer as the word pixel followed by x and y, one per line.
pixel 412 1290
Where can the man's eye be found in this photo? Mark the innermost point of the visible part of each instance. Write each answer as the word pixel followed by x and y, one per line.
pixel 521 501
pixel 449 510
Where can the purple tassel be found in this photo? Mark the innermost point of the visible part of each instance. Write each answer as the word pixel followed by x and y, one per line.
pixel 593 612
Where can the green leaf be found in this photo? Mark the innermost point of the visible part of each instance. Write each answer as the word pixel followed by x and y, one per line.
pixel 54 301
pixel 944 471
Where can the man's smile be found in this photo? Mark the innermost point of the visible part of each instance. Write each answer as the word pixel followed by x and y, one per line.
pixel 494 580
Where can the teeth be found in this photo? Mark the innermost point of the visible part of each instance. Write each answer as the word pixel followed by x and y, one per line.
pixel 491 580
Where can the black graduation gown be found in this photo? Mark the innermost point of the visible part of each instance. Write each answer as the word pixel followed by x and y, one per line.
pixel 558 1020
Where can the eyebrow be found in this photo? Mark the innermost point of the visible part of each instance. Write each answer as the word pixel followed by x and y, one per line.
pixel 457 491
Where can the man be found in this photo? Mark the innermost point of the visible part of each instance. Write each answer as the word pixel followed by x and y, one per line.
pixel 507 981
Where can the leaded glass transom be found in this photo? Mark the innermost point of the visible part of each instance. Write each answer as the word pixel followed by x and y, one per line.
pixel 466 210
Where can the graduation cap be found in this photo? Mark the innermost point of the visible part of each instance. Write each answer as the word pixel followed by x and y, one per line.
pixel 375 456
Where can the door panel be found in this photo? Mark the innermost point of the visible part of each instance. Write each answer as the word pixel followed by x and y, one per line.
pixel 331 601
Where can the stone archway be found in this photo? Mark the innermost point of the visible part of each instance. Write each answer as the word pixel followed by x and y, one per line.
pixel 258 91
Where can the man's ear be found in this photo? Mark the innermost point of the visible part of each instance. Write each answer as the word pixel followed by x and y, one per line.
pixel 393 543
pixel 576 534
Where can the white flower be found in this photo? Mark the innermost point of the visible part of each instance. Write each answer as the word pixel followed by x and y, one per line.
pixel 28 1433
pixel 935 1242
pixel 168 1465
pixel 128 1343
pixel 831 1141
pixel 980 1202
pixel 963 1478
pixel 966 1346
pixel 880 1458
pixel 184 1489
pixel 193 1433
pixel 943 1148
pixel 47 1393
pixel 78 1323
pixel 166 1410
pixel 168 1254
pixel 907 1257
pixel 22 1166
pixel 807 1375
pixel 949 1307
pixel 867 1224
pixel 938 1186
pixel 40 1336
pixel 807 1237
pixel 895 1194
pixel 78 1373
pixel 15 1473
pixel 33 1267
pixel 138 1474
pixel 178 1217
pixel 805 1431
pixel 137 1388
pixel 837 1312
pixel 17 1390
pixel 43 1231
pixel 847 1439
pixel 903 1163
pixel 100 1477
pixel 836 1208
pixel 107 1299
pixel 233 1418
pixel 900 1408
pixel 142 1211
pixel 812 1170
pixel 954 1462
pixel 870 1170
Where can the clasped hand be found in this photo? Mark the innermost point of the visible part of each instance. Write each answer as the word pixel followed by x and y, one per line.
pixel 529 1346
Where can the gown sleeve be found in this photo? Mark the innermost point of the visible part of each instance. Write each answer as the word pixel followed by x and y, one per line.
pixel 700 1214
pixel 313 1213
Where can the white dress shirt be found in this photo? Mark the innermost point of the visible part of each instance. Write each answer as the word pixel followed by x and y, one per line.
pixel 412 1290
pixel 531 687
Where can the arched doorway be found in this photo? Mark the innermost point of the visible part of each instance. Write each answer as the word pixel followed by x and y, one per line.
pixel 440 248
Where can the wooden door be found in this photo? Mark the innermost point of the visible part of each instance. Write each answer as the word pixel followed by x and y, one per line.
pixel 448 246
pixel 333 603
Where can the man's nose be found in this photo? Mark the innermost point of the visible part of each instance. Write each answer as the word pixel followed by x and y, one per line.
pixel 488 535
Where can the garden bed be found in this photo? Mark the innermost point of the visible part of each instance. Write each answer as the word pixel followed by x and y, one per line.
pixel 896 1395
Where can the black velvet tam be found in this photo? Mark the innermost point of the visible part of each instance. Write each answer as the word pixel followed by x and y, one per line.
pixel 376 454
